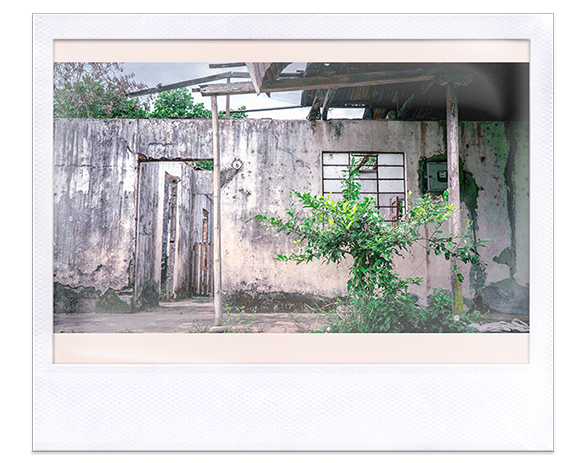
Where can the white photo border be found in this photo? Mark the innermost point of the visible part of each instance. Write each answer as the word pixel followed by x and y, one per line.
pixel 296 407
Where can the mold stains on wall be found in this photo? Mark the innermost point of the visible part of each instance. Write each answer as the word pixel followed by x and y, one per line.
pixel 492 157
pixel 108 237
pixel 509 145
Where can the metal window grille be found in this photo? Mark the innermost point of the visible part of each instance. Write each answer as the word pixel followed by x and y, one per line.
pixel 382 177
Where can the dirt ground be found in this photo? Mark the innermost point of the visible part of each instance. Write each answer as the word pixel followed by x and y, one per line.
pixel 193 316
pixel 185 317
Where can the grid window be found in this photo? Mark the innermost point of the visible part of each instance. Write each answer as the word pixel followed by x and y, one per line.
pixel 382 177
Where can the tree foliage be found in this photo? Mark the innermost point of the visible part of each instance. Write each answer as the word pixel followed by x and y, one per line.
pixel 180 103
pixel 99 90
pixel 95 90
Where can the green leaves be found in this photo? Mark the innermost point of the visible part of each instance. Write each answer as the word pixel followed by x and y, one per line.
pixel 330 230
pixel 89 98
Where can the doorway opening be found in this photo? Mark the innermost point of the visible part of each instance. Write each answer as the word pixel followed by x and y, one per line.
pixel 168 247
pixel 174 244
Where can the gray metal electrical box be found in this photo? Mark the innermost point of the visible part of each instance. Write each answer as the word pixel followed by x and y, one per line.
pixel 437 176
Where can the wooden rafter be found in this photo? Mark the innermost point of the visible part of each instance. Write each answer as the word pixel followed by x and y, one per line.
pixel 189 83
pixel 326 104
pixel 317 103
pixel 261 73
pixel 257 72
pixel 314 83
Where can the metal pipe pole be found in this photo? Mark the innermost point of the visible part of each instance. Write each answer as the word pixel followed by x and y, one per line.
pixel 217 219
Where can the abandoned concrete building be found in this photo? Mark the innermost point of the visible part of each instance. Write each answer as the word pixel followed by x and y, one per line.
pixel 134 212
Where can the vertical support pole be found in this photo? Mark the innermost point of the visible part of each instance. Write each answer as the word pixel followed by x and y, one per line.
pixel 454 185
pixel 217 219
pixel 228 101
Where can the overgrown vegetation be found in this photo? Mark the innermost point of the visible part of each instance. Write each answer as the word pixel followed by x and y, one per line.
pixel 379 300
pixel 180 103
pixel 99 90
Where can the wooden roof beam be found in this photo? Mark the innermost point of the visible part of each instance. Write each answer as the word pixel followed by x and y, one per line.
pixel 314 83
pixel 327 103
pixel 226 65
pixel 188 83
pixel 260 73
pixel 317 103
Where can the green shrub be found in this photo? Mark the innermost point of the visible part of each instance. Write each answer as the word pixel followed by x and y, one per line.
pixel 379 299
pixel 398 313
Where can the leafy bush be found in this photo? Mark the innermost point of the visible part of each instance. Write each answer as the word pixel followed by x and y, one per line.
pixel 438 316
pixel 379 299
pixel 96 90
pixel 373 314
pixel 398 313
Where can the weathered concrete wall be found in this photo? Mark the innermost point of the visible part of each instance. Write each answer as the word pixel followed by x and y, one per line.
pixel 283 156
pixel 496 194
pixel 280 157
pixel 494 184
pixel 149 235
pixel 263 161
pixel 95 184
pixel 175 139
pixel 108 214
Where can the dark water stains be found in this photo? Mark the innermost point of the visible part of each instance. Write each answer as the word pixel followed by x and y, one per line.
pixel 82 299
pixel 469 191
pixel 506 257
pixel 505 296
pixel 111 303
pixel 511 191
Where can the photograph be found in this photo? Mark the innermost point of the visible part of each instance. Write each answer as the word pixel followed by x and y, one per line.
pixel 291 197
pixel 293 233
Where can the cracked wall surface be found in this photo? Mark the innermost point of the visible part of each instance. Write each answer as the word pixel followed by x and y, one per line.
pixel 263 161
pixel 95 182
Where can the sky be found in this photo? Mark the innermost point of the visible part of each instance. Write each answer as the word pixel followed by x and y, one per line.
pixel 153 74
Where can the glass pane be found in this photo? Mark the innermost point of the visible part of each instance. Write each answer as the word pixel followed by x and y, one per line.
pixel 385 199
pixel 391 172
pixel 333 171
pixel 389 186
pixel 391 159
pixel 336 158
pixel 368 186
pixel 332 186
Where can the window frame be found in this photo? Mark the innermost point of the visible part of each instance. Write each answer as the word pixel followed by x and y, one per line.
pixel 377 193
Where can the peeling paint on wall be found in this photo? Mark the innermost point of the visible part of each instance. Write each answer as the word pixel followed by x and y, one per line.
pixel 98 250
pixel 508 145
